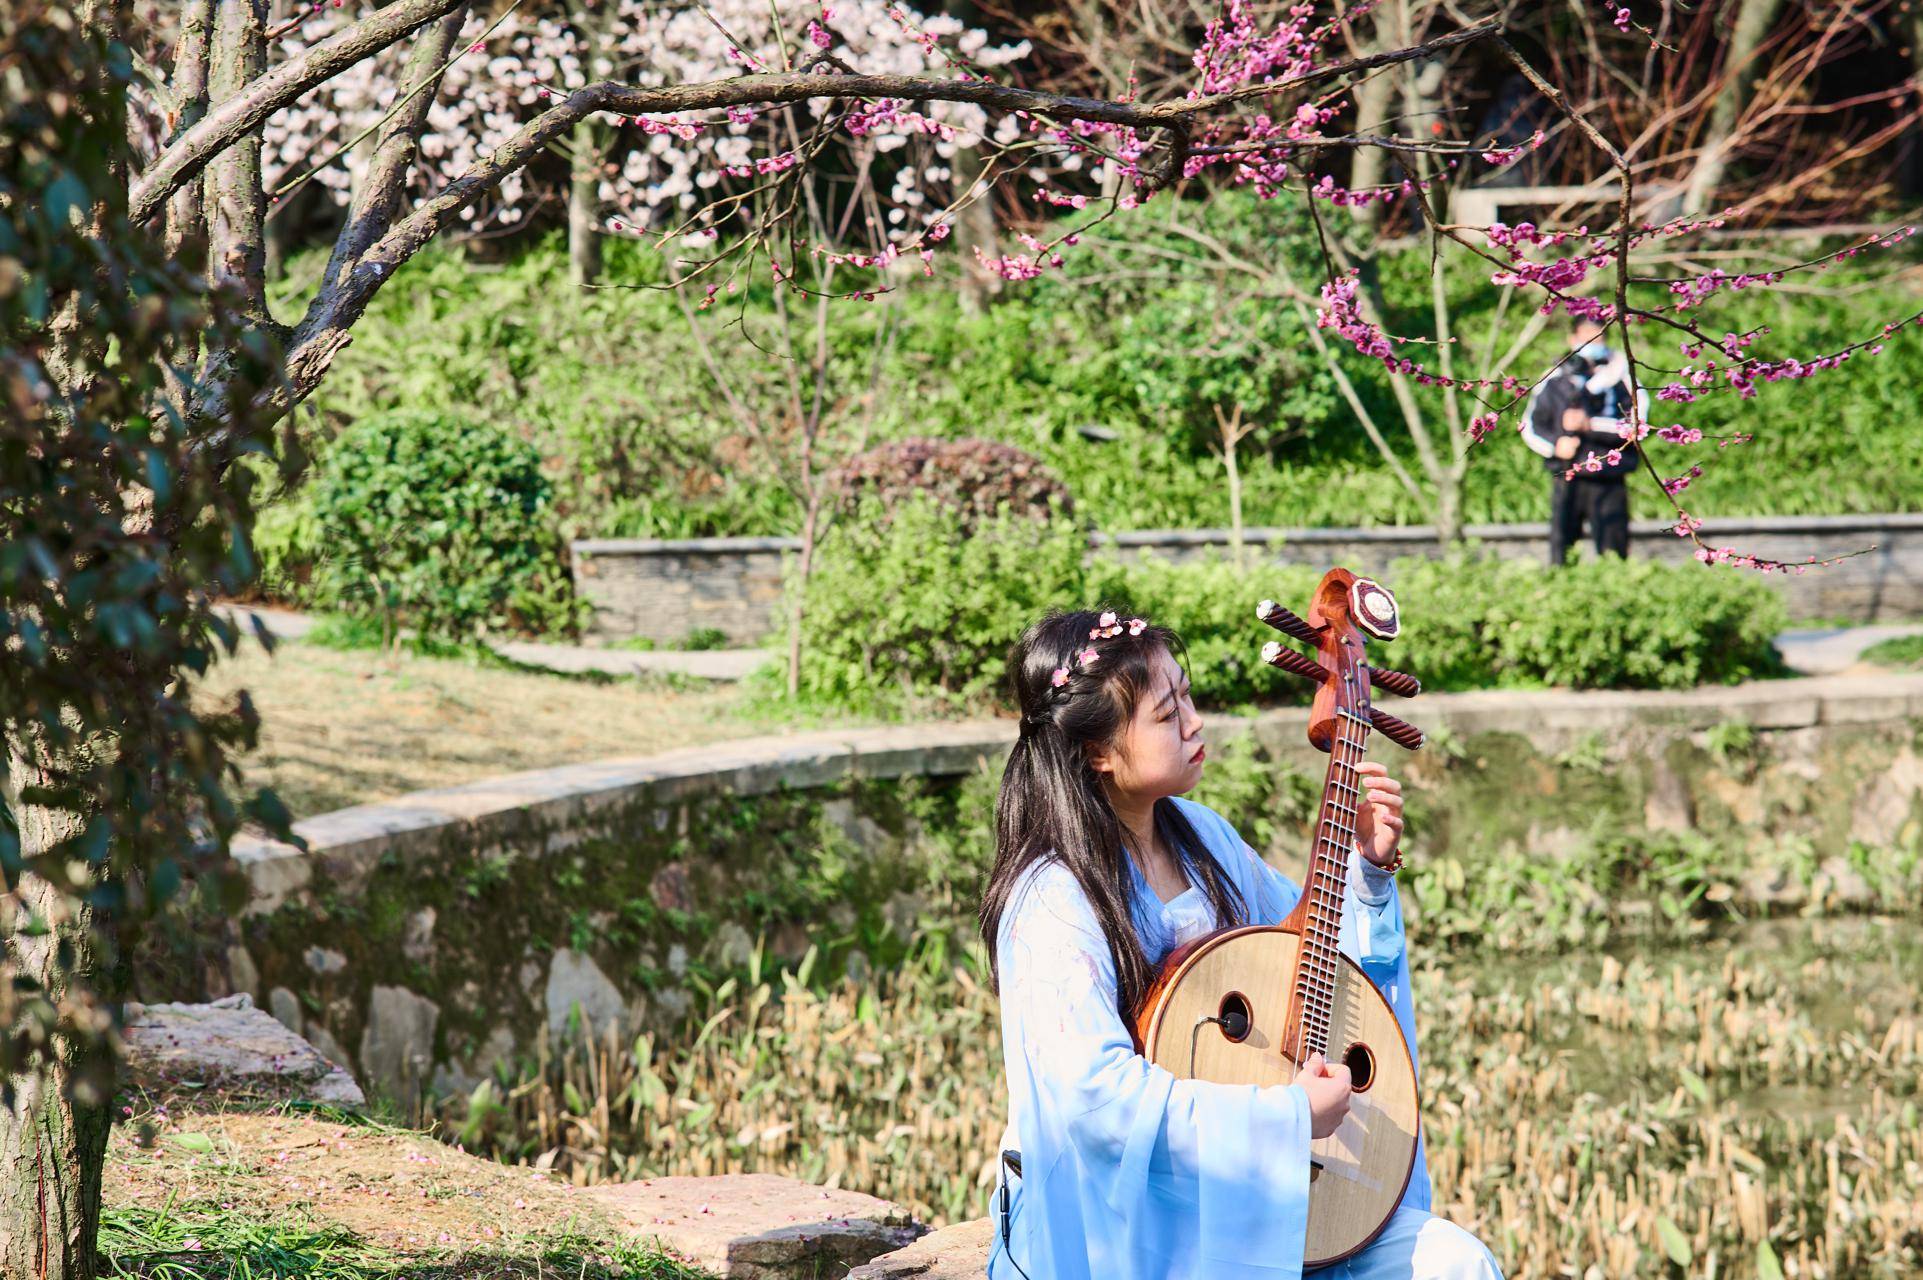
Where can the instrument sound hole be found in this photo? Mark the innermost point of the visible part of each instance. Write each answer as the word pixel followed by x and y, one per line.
pixel 1361 1064
pixel 1235 1016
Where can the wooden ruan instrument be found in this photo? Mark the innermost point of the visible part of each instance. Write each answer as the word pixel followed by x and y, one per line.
pixel 1247 1005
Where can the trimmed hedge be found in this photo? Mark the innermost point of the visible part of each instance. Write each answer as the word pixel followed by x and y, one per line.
pixel 1476 622
pixel 919 617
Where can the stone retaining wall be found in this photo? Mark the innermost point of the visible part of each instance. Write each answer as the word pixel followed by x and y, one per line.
pixel 665 590
pixel 426 939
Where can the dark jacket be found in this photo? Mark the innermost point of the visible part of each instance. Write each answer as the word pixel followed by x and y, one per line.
pixel 1601 388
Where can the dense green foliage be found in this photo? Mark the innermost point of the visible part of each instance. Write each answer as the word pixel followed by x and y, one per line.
pixel 955 604
pixel 439 523
pixel 1137 341
pixel 1476 623
pixel 903 612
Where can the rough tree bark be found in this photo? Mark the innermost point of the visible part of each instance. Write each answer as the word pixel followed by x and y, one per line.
pixel 237 208
pixel 186 216
pixel 584 198
pixel 379 195
pixel 53 1134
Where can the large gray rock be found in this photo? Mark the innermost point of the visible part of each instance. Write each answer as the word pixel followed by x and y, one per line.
pixel 1885 803
pixel 574 979
pixel 959 1252
pixel 233 1047
pixel 397 1044
pixel 757 1226
pixel 285 1006
pixel 1842 885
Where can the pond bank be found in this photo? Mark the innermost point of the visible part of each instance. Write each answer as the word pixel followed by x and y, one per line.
pixel 427 940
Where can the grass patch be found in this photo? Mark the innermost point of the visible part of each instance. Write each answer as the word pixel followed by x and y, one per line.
pixel 195 1193
pixel 1899 651
pixel 208 1241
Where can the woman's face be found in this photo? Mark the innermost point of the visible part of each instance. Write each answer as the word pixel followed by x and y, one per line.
pixel 1160 751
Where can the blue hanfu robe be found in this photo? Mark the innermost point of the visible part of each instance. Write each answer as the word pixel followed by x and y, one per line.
pixel 1127 1172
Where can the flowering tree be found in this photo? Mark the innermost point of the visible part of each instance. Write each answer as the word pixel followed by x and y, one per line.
pixel 765 108
pixel 1714 82
pixel 624 174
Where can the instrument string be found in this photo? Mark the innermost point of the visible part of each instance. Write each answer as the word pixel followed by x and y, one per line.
pixel 1321 958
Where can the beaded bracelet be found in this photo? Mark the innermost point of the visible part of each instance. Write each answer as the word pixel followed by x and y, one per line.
pixel 1392 868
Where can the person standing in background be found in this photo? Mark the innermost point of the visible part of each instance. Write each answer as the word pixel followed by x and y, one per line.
pixel 1575 420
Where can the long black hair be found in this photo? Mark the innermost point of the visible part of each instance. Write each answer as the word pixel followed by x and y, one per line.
pixel 1052 806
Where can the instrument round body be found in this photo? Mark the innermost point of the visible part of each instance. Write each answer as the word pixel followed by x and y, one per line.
pixel 1357 1174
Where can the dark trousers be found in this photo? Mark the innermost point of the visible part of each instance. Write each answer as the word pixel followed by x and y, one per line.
pixel 1601 504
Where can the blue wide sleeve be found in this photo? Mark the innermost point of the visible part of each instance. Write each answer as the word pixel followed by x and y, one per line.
pixel 1129 1173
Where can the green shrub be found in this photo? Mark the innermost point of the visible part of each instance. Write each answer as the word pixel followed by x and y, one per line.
pixel 906 614
pixel 1603 624
pixel 439 523
pixel 1211 605
pixel 1472 622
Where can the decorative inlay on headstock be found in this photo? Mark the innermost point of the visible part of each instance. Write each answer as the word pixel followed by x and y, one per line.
pixel 1374 609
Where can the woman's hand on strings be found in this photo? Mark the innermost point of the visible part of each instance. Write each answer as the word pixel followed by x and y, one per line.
pixel 1378 824
pixel 1328 1088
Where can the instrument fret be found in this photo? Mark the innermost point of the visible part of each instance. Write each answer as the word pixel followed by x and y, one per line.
pixel 1320 964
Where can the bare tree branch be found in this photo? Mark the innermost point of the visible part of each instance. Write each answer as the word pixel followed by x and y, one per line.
pixel 247 111
pixel 379 197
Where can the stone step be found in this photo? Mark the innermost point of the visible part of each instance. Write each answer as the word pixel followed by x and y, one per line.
pixel 959 1252
pixel 759 1226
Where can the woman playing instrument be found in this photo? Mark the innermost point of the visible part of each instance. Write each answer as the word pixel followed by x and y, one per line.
pixel 1117 1169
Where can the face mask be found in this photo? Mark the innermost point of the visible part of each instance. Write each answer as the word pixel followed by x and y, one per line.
pixel 1593 350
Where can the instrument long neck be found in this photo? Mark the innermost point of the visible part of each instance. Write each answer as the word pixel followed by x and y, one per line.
pixel 1328 882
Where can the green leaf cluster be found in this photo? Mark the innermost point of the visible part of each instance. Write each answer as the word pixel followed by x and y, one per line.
pixel 440 523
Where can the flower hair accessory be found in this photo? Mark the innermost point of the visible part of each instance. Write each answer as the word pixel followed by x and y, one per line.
pixel 1108 626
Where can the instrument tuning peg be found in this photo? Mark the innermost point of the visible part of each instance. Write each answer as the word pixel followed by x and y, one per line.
pixel 1400 683
pixel 1285 620
pixel 1396 729
pixel 1277 654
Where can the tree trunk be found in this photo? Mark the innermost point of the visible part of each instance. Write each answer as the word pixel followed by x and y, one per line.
pixel 978 286
pixel 1369 166
pixel 584 199
pixel 1230 425
pixel 809 522
pixel 236 205
pixel 1753 21
pixel 186 218
pixel 53 1137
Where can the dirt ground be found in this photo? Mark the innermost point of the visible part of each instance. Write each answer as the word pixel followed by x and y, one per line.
pixel 394 1190
pixel 344 728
